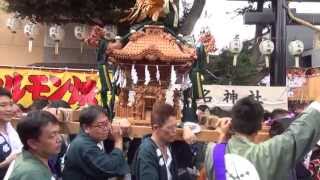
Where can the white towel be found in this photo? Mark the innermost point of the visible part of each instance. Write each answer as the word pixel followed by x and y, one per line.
pixel 13 139
pixel 9 171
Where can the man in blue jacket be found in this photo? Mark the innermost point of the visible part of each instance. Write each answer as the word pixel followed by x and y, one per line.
pixel 86 158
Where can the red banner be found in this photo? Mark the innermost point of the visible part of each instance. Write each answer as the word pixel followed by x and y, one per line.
pixel 26 85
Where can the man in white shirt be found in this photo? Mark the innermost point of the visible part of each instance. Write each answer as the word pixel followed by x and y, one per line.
pixel 10 144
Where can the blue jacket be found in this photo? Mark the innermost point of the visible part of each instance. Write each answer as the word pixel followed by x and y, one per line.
pixel 86 161
pixel 146 164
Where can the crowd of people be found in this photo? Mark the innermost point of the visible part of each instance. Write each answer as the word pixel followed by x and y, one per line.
pixel 36 149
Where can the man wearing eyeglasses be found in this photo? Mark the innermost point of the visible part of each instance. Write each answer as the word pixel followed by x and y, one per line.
pixel 86 158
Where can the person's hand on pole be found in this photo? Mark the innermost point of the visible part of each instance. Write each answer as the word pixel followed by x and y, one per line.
pixel 117 136
pixel 223 127
pixel 188 136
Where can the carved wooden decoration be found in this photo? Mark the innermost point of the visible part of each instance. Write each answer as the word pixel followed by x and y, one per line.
pixel 153 46
pixel 122 104
pixel 139 104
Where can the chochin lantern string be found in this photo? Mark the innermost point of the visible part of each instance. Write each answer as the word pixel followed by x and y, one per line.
pixel 31 30
pixel 134 75
pixel 147 75
pixel 56 33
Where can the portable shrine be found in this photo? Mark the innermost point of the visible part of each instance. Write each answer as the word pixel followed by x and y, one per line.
pixel 148 66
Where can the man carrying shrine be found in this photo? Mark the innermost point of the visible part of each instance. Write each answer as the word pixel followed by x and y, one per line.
pixel 240 158
pixel 10 144
pixel 154 159
pixel 86 158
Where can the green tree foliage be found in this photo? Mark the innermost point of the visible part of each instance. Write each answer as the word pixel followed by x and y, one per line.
pixel 64 11
pixel 245 73
pixel 94 12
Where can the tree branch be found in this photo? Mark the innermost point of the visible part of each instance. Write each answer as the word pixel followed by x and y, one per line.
pixel 193 16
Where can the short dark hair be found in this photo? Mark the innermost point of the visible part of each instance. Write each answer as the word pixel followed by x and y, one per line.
pixel 203 108
pixel 59 104
pixel 247 116
pixel 161 113
pixel 30 126
pixel 276 129
pixel 277 112
pixel 5 92
pixel 89 114
pixel 266 115
pixel 39 104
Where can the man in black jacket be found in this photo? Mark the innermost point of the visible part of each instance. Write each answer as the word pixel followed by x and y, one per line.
pixel 86 158
pixel 154 160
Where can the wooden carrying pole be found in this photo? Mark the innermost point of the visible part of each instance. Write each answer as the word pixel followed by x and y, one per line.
pixel 139 131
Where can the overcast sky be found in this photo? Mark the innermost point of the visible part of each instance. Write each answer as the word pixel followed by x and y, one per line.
pixel 224 26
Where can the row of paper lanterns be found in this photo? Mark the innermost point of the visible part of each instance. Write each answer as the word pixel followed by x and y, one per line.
pixel 56 32
pixel 266 48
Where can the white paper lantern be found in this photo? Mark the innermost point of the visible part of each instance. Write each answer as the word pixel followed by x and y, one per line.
pixel 81 32
pixel 31 30
pixel 235 47
pixel 296 48
pixel 56 33
pixel 13 23
pixel 266 48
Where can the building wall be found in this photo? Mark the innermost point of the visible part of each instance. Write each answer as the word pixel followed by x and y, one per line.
pixel 69 51
pixel 316 58
pixel 14 47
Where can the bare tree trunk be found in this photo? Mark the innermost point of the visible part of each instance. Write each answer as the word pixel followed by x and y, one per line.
pixel 193 16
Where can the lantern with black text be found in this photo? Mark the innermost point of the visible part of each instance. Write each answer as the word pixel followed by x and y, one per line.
pixel 235 48
pixel 31 30
pixel 56 33
pixel 81 33
pixel 13 23
pixel 296 48
pixel 266 48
